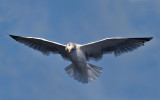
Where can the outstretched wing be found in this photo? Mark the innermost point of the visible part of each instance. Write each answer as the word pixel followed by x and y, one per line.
pixel 95 50
pixel 42 45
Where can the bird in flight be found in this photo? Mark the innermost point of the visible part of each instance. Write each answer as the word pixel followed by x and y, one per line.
pixel 79 55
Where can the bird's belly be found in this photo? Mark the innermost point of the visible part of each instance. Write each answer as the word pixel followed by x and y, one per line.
pixel 78 58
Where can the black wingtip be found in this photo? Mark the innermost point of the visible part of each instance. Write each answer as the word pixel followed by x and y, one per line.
pixel 149 38
pixel 145 38
pixel 13 36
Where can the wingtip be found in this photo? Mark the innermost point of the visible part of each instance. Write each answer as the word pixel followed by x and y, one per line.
pixel 13 36
pixel 149 38
pixel 145 38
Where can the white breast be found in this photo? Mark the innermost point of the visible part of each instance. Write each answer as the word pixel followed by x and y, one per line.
pixel 78 57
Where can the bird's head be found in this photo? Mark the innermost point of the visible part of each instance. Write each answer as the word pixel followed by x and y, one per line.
pixel 70 46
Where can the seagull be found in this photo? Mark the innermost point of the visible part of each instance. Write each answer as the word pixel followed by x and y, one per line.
pixel 80 69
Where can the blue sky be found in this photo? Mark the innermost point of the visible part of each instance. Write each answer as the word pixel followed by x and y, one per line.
pixel 26 74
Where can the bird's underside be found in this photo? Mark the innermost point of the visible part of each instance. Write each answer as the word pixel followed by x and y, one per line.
pixel 80 69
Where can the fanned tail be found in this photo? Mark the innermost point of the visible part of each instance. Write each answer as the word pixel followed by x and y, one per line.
pixel 84 74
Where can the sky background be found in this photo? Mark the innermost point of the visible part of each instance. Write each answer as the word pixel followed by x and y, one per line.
pixel 26 74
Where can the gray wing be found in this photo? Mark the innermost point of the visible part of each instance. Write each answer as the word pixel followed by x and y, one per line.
pixel 95 50
pixel 42 45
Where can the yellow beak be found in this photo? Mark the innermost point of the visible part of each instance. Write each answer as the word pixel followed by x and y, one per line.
pixel 69 50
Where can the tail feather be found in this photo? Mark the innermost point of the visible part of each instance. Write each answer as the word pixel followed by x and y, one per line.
pixel 84 74
pixel 69 70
